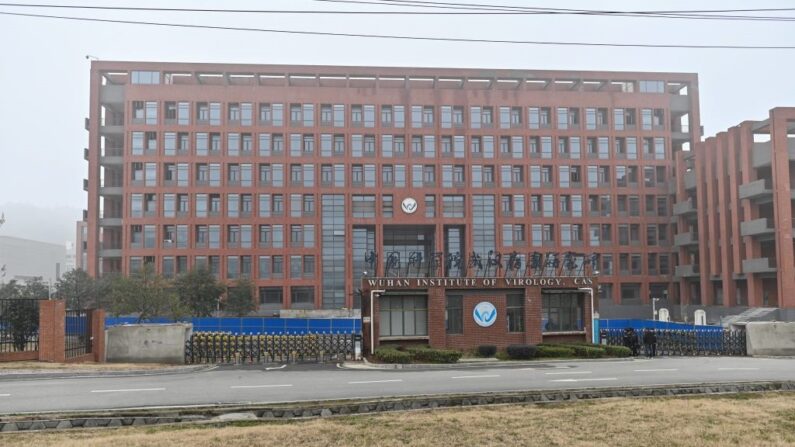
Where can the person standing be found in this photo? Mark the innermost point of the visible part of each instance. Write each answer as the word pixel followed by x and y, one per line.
pixel 650 342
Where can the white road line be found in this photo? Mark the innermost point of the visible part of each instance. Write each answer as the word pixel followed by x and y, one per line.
pixel 483 376
pixel 259 386
pixel 276 367
pixel 655 370
pixel 131 390
pixel 567 373
pixel 5 395
pixel 584 380
pixel 738 369
pixel 375 381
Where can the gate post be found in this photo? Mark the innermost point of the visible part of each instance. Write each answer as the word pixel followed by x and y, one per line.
pixel 52 331
pixel 98 335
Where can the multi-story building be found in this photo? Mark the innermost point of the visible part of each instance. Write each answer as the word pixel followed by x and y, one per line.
pixel 297 176
pixel 735 216
pixel 24 260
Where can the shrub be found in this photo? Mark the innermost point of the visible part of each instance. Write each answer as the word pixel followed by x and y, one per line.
pixel 617 351
pixel 487 350
pixel 521 352
pixel 587 351
pixel 555 351
pixel 426 355
pixel 392 355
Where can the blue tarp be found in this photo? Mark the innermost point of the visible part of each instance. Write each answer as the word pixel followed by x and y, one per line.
pixel 652 324
pixel 258 325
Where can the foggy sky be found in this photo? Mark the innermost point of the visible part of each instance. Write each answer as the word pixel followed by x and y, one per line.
pixel 44 75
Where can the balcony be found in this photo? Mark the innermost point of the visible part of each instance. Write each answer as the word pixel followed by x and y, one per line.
pixel 110 253
pixel 110 222
pixel 111 94
pixel 680 103
pixel 758 190
pixel 686 239
pixel 689 178
pixel 761 154
pixel 684 208
pixel 687 271
pixel 757 227
pixel 759 265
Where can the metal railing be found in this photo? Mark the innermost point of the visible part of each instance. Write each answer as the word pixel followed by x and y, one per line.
pixel 219 347
pixel 77 340
pixel 19 325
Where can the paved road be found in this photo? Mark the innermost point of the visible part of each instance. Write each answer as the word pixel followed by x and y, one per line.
pixel 229 385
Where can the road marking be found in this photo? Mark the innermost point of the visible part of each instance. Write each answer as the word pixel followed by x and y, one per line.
pixel 259 386
pixel 276 367
pixel 583 380
pixel 738 369
pixel 374 381
pixel 483 376
pixel 130 390
pixel 5 395
pixel 655 370
pixel 568 372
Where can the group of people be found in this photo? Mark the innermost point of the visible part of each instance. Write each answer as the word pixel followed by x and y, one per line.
pixel 649 342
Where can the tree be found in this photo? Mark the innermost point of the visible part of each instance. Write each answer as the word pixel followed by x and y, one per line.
pixel 199 291
pixel 239 298
pixel 35 289
pixel 145 294
pixel 77 288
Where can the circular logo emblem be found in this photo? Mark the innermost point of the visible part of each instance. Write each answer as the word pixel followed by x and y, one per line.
pixel 409 205
pixel 485 314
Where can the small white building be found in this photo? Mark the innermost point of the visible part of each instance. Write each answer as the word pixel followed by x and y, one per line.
pixel 24 259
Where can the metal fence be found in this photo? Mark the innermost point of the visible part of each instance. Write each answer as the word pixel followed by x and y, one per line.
pixel 217 347
pixel 257 325
pixel 682 342
pixel 19 325
pixel 78 333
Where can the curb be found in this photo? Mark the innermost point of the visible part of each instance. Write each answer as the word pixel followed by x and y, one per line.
pixel 89 374
pixel 221 414
pixel 364 364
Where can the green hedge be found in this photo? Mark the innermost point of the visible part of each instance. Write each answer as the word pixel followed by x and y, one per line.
pixel 521 352
pixel 588 352
pixel 617 351
pixel 486 350
pixel 392 355
pixel 554 351
pixel 428 355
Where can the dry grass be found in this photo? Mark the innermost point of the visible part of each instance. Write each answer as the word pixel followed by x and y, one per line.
pixel 25 366
pixel 747 420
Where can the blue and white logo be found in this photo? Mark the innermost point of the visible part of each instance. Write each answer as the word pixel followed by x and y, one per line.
pixel 485 314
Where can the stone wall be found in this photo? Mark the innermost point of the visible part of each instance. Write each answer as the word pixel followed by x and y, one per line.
pixel 770 338
pixel 147 343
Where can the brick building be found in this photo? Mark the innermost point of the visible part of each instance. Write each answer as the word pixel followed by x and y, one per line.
pixel 308 179
pixel 735 216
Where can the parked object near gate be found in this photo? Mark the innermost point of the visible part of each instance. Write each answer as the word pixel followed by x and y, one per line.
pixel 217 347
pixel 147 343
pixel 770 338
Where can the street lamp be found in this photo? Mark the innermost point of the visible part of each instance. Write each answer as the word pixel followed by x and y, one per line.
pixel 593 327
pixel 372 320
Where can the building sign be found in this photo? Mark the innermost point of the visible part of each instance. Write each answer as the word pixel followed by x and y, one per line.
pixel 478 283
pixel 485 314
pixel 409 205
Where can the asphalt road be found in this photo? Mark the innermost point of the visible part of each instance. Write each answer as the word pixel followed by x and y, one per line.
pixel 227 385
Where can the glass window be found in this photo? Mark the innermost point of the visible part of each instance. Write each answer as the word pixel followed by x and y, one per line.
pixel 454 314
pixel 515 308
pixel 562 312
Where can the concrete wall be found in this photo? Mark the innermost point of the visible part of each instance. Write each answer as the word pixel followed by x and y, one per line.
pixel 770 338
pixel 147 343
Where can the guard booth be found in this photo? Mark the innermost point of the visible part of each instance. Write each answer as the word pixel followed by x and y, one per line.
pixel 467 311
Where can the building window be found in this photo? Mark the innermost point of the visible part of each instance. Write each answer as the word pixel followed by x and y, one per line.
pixel 454 314
pixel 271 296
pixel 302 297
pixel 403 316
pixel 562 312
pixel 515 309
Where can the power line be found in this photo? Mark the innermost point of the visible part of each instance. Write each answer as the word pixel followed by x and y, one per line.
pixel 406 37
pixel 449 10
pixel 679 14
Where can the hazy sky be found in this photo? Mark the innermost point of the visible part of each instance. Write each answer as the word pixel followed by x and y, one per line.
pixel 44 74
